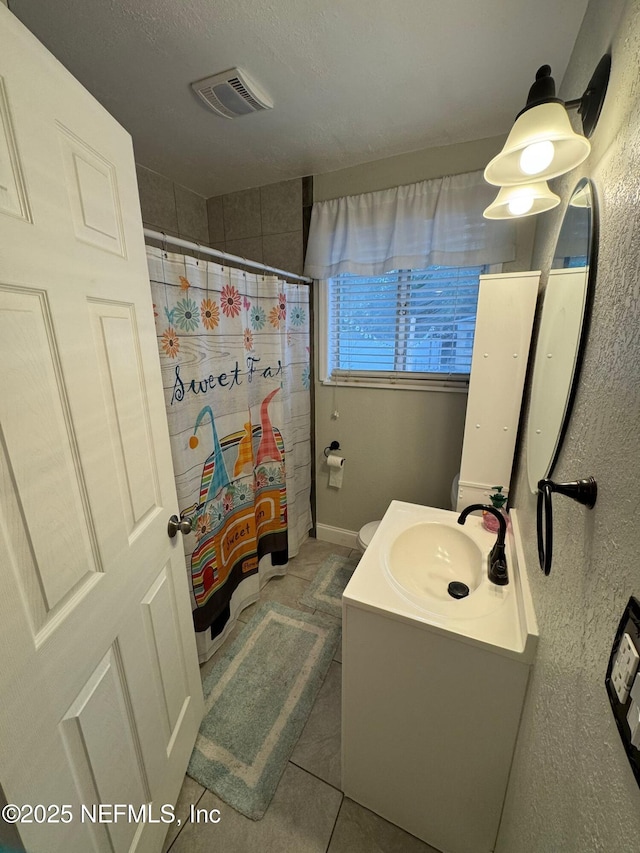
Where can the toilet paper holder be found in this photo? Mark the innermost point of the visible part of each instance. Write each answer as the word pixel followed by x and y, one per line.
pixel 335 445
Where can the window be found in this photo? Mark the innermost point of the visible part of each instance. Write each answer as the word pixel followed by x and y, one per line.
pixel 410 327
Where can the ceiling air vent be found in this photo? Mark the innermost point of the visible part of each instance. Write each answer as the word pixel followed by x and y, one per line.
pixel 232 94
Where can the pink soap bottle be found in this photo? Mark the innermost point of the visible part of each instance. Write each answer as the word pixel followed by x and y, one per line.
pixel 498 500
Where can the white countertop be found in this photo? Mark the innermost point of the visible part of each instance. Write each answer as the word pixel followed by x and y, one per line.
pixel 508 628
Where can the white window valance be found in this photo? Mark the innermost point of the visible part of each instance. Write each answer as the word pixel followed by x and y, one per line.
pixel 436 222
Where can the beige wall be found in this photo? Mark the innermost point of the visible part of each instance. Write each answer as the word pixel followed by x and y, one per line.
pixel 407 168
pixel 571 787
pixel 398 444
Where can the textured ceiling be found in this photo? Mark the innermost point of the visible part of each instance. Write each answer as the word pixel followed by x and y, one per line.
pixel 351 80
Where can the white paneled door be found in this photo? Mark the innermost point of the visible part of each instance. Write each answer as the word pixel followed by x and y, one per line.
pixel 100 697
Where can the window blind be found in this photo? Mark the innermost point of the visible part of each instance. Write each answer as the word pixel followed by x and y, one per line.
pixel 411 325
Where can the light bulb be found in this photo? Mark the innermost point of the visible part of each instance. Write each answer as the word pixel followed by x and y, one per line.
pixel 536 157
pixel 520 205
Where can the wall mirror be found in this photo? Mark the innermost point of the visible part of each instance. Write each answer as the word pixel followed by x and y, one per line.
pixel 562 334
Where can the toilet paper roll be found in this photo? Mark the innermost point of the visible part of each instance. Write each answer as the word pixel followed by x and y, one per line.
pixel 336 470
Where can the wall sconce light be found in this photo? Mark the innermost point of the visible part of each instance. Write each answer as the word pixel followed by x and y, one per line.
pixel 522 200
pixel 542 144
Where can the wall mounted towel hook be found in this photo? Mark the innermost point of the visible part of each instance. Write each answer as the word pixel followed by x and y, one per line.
pixel 583 491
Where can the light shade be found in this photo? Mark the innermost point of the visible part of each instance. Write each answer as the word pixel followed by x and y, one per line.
pixel 528 146
pixel 522 200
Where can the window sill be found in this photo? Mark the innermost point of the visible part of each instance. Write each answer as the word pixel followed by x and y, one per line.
pixel 447 386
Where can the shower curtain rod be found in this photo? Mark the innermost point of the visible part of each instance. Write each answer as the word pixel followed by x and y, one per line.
pixel 230 259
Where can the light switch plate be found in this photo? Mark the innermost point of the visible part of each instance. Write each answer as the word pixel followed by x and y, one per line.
pixel 623 683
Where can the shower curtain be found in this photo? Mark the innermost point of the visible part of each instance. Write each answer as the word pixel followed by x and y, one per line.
pixel 234 355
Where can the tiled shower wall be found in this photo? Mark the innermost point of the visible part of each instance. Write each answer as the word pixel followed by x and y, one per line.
pixel 168 207
pixel 267 224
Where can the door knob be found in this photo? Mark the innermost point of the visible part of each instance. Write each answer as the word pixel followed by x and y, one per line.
pixel 175 526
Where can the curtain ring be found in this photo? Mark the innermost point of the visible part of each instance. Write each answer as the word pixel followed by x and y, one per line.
pixel 164 244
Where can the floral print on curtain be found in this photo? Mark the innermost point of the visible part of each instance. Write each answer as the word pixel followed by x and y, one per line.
pixel 234 355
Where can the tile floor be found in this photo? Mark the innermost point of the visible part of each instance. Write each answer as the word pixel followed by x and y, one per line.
pixel 309 813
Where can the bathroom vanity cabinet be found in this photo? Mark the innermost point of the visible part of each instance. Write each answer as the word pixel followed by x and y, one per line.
pixel 431 716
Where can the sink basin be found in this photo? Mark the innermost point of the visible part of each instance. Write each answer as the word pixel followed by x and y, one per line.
pixel 422 561
pixel 426 558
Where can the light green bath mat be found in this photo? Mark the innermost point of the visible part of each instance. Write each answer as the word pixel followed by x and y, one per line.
pixel 325 591
pixel 257 700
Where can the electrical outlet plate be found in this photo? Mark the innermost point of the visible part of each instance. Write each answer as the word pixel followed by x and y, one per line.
pixel 625 668
pixel 633 721
pixel 623 685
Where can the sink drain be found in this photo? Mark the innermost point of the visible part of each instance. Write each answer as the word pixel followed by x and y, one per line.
pixel 457 589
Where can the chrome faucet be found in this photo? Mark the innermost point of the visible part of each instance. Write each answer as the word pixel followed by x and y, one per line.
pixel 497 557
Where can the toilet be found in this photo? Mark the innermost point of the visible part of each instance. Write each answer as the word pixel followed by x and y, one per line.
pixel 365 534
